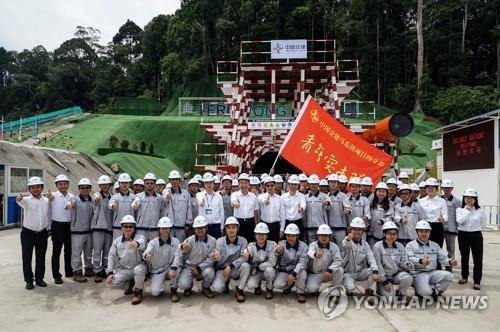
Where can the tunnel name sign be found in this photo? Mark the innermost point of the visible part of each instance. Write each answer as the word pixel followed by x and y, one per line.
pixel 471 147
pixel 289 49
pixel 319 144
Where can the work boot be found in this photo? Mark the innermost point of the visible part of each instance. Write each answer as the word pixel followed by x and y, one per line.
pixel 103 274
pixel 258 290
pixel 269 294
pixel 137 296
pixel 173 295
pixel 207 292
pixel 288 290
pixel 89 273
pixel 240 295
pixel 97 278
pixel 58 281
pixel 29 285
pixel 40 283
pixel 226 288
pixel 78 277
pixel 301 298
pixel 130 288
pixel 188 292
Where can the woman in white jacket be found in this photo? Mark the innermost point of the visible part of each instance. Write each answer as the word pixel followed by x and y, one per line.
pixel 471 219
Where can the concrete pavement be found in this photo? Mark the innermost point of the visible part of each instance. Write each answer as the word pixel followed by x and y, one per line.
pixel 93 307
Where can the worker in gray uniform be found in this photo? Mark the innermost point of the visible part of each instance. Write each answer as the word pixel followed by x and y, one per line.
pixel 121 202
pixel 229 260
pixel 356 205
pixel 162 259
pixel 316 209
pixel 336 214
pixel 262 259
pixel 197 259
pixel 325 261
pixel 193 189
pixel 366 188
pixel 359 263
pixel 292 263
pixel 450 226
pixel 81 235
pixel 425 254
pixel 406 215
pixel 150 207
pixel 102 228
pixel 226 192
pixel 393 265
pixel 392 191
pixel 179 207
pixel 125 264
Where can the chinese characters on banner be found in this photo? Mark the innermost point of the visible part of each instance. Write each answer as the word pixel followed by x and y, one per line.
pixel 319 144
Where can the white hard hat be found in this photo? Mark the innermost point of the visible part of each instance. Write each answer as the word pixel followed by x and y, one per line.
pixel 367 181
pixel 470 192
pixel 324 229
pixel 197 177
pixel 231 221
pixel 431 182
pixel 165 222
pixel 392 181
pixel 227 177
pixel 323 182
pixel 254 180
pixel 269 179
pixel 208 177
pixel 422 184
pixel 343 179
pixel 403 175
pixel 358 223
pixel 174 175
pixel 354 180
pixel 200 221
pixel 278 178
pixel 84 182
pixel 61 177
pixel 263 176
pixel 35 181
pixel 128 219
pixel 333 177
pixel 261 228
pixel 139 182
pixel 413 187
pixel 234 183
pixel 104 179
pixel 292 229
pixel 193 181
pixel 405 187
pixel 216 179
pixel 303 177
pixel 313 179
pixel 422 224
pixel 389 225
pixel 161 181
pixel 243 176
pixel 293 179
pixel 149 176
pixel 447 183
pixel 381 185
pixel 124 177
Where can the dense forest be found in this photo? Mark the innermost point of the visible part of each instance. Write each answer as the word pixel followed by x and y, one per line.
pixel 459 74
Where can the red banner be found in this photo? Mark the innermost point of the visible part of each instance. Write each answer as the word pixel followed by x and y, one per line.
pixel 317 143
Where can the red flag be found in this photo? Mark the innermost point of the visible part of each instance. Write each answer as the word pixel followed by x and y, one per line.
pixel 319 144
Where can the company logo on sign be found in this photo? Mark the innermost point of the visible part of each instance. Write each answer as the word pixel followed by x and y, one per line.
pixel 289 49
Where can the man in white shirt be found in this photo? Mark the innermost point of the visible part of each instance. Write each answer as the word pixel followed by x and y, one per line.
pixel 211 206
pixel 60 227
pixel 245 208
pixel 34 233
pixel 295 205
pixel 272 210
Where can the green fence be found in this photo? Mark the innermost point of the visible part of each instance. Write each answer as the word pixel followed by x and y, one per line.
pixel 136 106
pixel 41 118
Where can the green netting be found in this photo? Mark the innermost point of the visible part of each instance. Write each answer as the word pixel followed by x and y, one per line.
pixel 136 106
pixel 41 118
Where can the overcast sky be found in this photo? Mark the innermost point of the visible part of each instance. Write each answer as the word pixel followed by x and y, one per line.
pixel 27 23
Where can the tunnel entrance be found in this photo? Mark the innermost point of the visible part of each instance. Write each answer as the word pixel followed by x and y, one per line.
pixel 264 163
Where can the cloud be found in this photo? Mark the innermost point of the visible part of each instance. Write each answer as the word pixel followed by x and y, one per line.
pixel 28 23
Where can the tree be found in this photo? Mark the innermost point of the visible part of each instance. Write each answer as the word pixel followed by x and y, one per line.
pixel 143 147
pixel 151 149
pixel 113 141
pixel 124 144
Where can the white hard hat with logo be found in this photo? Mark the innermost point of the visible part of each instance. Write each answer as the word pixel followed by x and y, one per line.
pixel 354 181
pixel 381 185
pixel 254 180
pixel 343 179
pixel 261 228
pixel 333 177
pixel 389 225
pixel 227 178
pixel 124 177
pixel 292 229
pixel 403 175
pixel 431 182
pixel 422 224
pixel 405 187
pixel 269 179
pixel 278 178
pixel 174 175
pixel 323 182
pixel 293 179
pixel 104 179
pixel 139 182
pixel 208 177
pixel 128 219
pixel 193 181
pixel 165 222
pixel 161 181
pixel 392 181
pixel 447 183
pixel 469 192
pixel 149 176
pixel 200 221
pixel 84 182
pixel 313 179
pixel 231 221
pixel 324 229
pixel 367 181
pixel 302 177
pixel 413 187
pixel 422 184
pixel 243 176
pixel 61 177
pixel 234 183
pixel 35 181
pixel 358 223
